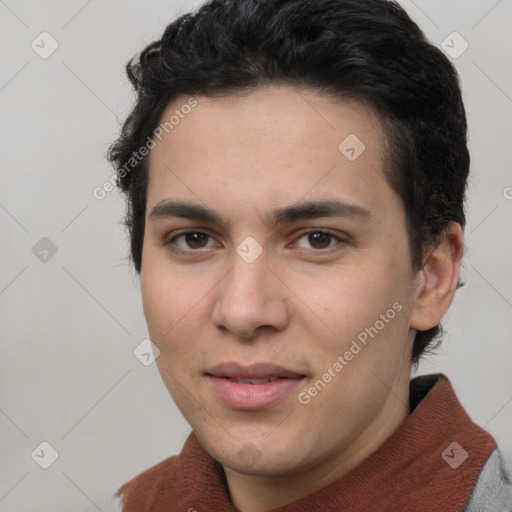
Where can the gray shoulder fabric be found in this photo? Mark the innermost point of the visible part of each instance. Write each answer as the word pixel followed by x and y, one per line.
pixel 493 489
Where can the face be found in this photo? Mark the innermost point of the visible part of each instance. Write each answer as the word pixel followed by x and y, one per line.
pixel 276 279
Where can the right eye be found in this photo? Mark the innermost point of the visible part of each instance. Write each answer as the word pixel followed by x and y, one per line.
pixel 190 241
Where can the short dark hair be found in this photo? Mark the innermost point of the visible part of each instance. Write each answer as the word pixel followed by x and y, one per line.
pixel 369 51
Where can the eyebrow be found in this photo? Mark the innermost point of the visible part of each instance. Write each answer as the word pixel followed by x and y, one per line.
pixel 295 212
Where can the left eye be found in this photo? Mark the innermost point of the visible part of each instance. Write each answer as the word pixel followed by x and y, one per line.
pixel 318 240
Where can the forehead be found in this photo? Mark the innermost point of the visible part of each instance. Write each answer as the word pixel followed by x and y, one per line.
pixel 298 117
pixel 275 144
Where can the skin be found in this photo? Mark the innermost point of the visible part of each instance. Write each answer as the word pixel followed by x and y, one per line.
pixel 301 303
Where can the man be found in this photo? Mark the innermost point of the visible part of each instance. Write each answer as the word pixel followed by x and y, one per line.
pixel 295 174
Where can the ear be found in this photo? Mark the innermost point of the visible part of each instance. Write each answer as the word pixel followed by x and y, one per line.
pixel 437 281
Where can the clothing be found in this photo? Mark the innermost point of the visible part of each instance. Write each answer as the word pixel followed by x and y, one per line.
pixel 413 470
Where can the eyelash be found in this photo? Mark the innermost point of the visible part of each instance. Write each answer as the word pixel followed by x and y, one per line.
pixel 171 242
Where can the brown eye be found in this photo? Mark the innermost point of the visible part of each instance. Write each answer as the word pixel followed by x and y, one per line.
pixel 196 240
pixel 319 240
pixel 190 241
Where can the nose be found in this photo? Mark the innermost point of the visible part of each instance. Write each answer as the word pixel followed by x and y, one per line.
pixel 250 299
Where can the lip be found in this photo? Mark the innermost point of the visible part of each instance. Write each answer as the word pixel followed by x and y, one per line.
pixel 252 371
pixel 251 397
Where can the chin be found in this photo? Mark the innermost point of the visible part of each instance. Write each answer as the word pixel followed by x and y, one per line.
pixel 252 456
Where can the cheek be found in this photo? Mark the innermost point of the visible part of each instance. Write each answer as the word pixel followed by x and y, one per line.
pixel 157 300
pixel 168 298
pixel 368 304
pixel 349 299
pixel 176 308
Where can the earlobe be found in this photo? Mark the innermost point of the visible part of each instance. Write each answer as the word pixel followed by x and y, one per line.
pixel 437 281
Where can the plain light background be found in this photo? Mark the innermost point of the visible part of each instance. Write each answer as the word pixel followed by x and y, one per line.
pixel 68 326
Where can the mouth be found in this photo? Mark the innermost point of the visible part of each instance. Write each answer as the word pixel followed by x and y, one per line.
pixel 252 387
pixel 254 382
